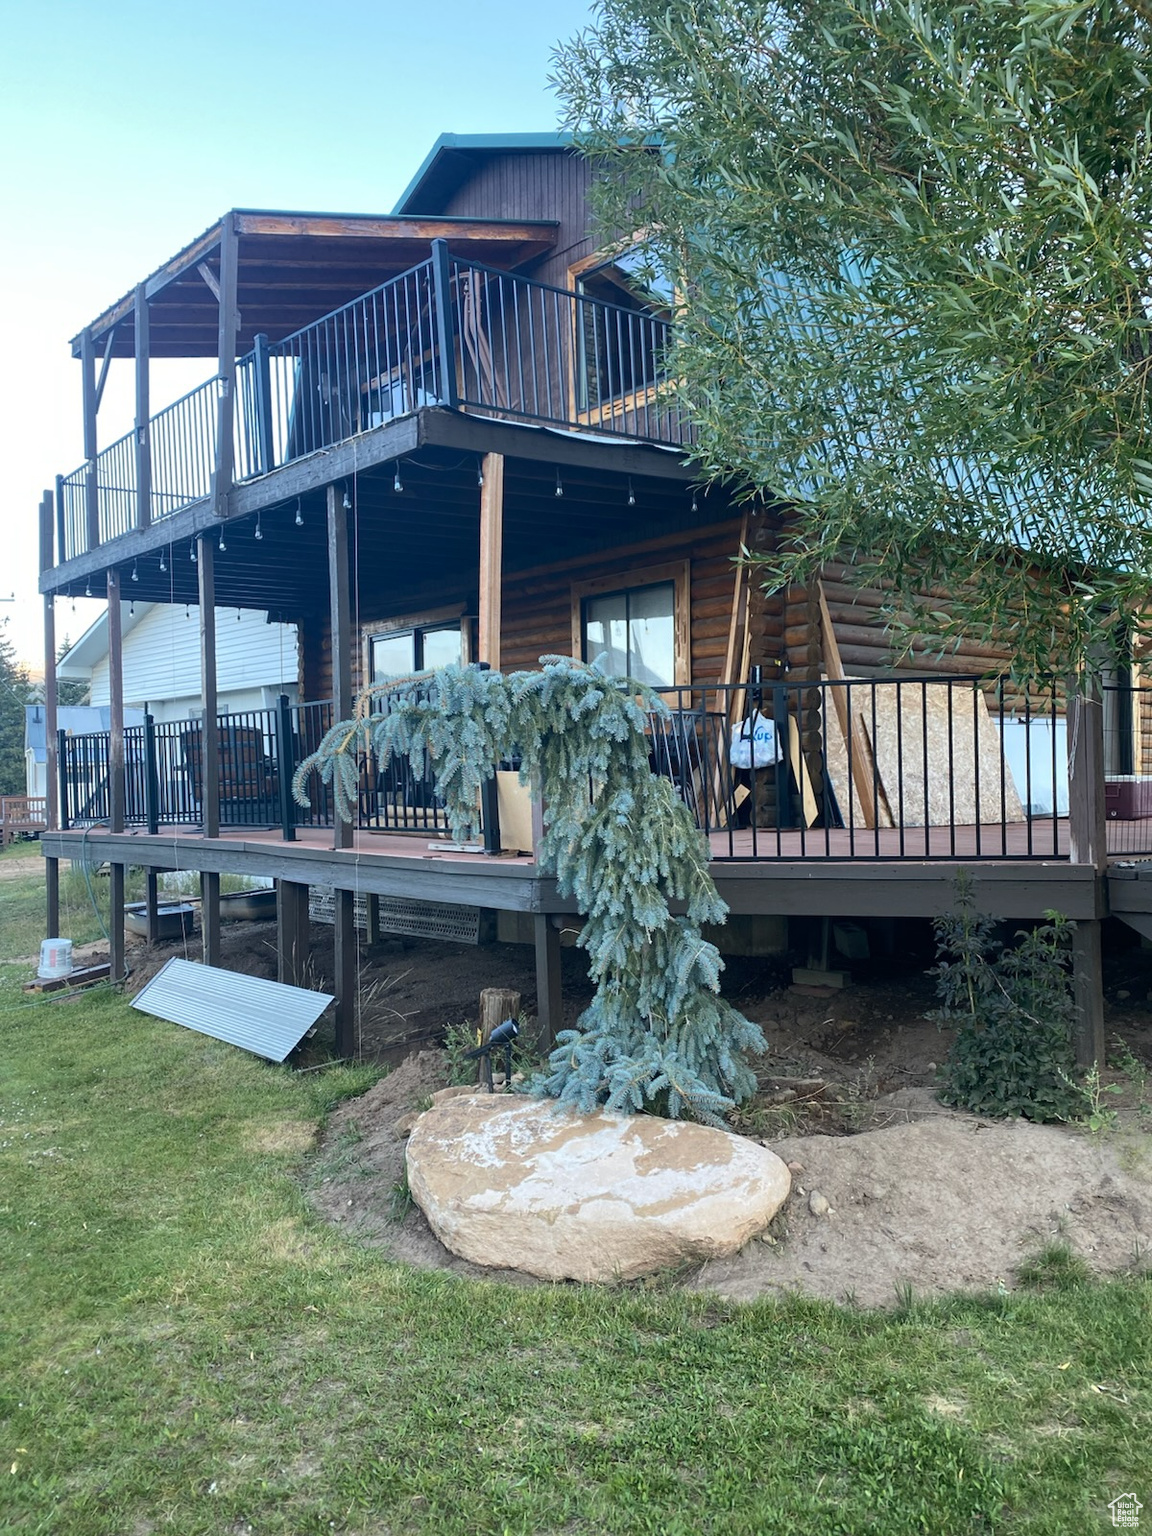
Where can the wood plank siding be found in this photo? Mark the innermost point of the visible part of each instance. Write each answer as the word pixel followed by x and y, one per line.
pixel 534 186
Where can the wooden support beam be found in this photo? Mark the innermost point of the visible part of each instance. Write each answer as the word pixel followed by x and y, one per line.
pixel 855 743
pixel 143 346
pixel 51 898
pixel 210 916
pixel 292 933
pixel 91 491
pixel 344 938
pixel 340 616
pixel 51 720
pixel 229 325
pixel 209 725
pixel 1088 988
pixel 116 783
pixel 549 997
pixel 117 967
pixel 106 363
pixel 1087 815
pixel 491 558
pixel 151 905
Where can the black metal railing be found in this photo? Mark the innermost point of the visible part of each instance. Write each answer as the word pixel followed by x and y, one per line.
pixel 446 332
pixel 1128 768
pixel 885 768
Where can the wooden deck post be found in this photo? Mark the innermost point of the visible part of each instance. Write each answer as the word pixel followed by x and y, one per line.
pixel 209 725
pixel 51 764
pixel 118 968
pixel 292 933
pixel 210 915
pixel 226 366
pixel 115 705
pixel 1087 843
pixel 340 618
pixel 91 490
pixel 345 968
pixel 143 350
pixel 549 999
pixel 491 558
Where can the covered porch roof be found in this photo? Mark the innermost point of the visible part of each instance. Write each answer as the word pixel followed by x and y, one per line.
pixel 295 267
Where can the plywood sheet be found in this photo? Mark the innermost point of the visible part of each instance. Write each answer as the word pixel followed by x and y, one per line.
pixel 836 766
pixel 931 748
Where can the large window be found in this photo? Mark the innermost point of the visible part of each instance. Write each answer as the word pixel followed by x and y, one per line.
pixel 636 628
pixel 622 348
pixel 400 652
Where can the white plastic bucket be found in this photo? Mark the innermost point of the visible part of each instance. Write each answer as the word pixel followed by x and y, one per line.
pixel 55 959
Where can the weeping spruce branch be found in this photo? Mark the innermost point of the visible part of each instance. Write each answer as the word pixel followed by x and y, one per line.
pixel 657 1034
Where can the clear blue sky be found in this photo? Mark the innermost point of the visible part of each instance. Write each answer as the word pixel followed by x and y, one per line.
pixel 128 128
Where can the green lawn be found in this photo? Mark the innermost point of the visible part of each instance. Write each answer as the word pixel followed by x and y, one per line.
pixel 184 1348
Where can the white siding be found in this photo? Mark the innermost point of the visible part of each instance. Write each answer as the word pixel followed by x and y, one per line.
pixel 255 661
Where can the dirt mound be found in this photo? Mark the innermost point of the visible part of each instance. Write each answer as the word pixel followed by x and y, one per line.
pixel 945 1202
pixel 934 1200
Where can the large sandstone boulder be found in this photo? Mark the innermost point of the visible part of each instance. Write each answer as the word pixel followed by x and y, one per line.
pixel 517 1183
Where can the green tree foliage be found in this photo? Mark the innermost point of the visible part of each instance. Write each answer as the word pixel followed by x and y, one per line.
pixel 1013 1008
pixel 657 1034
pixel 15 692
pixel 912 244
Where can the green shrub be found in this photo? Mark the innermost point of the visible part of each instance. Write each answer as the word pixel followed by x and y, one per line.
pixel 1013 1005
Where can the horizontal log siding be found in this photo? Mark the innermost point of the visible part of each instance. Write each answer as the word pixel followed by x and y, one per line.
pixel 538 606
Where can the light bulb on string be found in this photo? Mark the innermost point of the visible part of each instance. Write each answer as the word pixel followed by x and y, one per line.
pixel 299 514
pixel 135 572
pixel 695 506
pixel 631 493
pixel 480 472
pixel 258 533
pixel 559 486
pixel 88 587
pixel 347 502
pixel 221 546
pixel 192 550
pixel 163 563
pixel 132 608
pixel 397 484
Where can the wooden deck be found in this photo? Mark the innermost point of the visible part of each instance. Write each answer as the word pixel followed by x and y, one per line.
pixel 798 875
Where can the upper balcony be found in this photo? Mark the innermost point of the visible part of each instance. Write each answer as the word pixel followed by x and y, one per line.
pixel 452 331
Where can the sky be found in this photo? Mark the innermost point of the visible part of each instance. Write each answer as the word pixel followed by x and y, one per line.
pixel 128 128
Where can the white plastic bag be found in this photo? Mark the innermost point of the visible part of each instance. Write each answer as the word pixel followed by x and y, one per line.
pixel 754 743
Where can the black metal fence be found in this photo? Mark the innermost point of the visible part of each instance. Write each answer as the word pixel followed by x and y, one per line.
pixel 446 333
pixel 886 768
pixel 900 767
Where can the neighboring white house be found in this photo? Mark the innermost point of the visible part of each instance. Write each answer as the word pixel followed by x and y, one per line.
pixel 77 720
pixel 255 660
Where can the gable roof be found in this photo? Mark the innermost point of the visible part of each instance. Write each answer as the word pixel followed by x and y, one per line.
pixel 453 157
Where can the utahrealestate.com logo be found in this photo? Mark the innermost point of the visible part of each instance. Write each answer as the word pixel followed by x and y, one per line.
pixel 1125 1510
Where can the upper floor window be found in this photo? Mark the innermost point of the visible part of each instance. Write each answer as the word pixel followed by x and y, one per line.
pixel 622 348
pixel 400 652
pixel 636 627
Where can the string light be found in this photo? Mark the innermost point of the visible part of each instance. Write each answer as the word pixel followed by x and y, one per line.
pixel 88 587
pixel 347 501
pixel 480 472
pixel 132 609
pixel 187 611
pixel 135 573
pixel 631 493
pixel 163 563
pixel 259 534
pixel 397 486
pixel 192 550
pixel 299 514
pixel 559 486
pixel 221 546
pixel 695 506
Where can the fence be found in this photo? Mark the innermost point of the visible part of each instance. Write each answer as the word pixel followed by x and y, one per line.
pixel 888 768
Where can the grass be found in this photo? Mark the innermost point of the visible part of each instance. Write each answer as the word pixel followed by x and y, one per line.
pixel 185 1348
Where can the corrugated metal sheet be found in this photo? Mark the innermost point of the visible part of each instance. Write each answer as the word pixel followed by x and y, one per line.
pixel 264 1017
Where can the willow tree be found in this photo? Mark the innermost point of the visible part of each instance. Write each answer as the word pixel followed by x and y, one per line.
pixel 657 1034
pixel 913 244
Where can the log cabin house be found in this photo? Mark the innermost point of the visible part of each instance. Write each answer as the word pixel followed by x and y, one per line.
pixel 443 435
